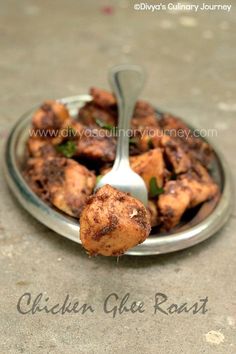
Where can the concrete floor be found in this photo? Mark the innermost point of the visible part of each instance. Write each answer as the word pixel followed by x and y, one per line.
pixel 52 49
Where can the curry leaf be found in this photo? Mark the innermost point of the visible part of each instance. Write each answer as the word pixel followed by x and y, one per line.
pixel 68 149
pixel 103 125
pixel 154 189
pixel 150 143
pixel 98 178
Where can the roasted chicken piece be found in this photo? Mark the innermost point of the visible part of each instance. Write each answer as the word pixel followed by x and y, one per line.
pixel 178 158
pixel 149 165
pixel 101 110
pixel 102 98
pixel 191 189
pixel 153 213
pixel 45 147
pixel 93 115
pixel 200 184
pixel 145 140
pixel 34 176
pixel 144 116
pixel 40 147
pixel 173 203
pixel 146 132
pixel 51 116
pixel 200 191
pixel 176 128
pixel 96 144
pixel 200 150
pixel 72 129
pixel 171 124
pixel 63 182
pixel 145 129
pixel 112 222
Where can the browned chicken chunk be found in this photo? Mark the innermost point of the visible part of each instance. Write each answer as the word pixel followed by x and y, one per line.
pixel 200 184
pixel 171 124
pixel 52 115
pixel 63 182
pixel 41 147
pixel 173 203
pixel 190 190
pixel 102 98
pixel 153 213
pixel 46 147
pixel 103 110
pixel 72 129
pixel 177 157
pixel 112 222
pixel 96 145
pixel 149 165
pixel 145 140
pixel 144 116
pixel 93 115
pixel 176 128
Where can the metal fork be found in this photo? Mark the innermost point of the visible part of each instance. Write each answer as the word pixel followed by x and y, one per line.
pixel 126 82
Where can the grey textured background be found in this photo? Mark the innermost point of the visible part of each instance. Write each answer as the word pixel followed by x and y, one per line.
pixel 52 49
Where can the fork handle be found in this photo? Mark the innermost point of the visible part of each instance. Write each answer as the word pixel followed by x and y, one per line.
pixel 126 82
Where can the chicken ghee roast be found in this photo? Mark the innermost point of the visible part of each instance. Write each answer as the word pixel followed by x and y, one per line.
pixel 66 156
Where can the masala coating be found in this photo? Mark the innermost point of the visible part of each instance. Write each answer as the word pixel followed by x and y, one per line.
pixel 199 149
pixel 96 145
pixel 40 147
pixel 148 165
pixel 112 222
pixel 189 190
pixel 64 183
pixel 153 213
pixel 102 98
pixel 50 116
pixel 176 156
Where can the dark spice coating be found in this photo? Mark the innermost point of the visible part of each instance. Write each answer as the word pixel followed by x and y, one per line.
pixel 49 119
pixel 60 181
pixel 95 147
pixel 91 112
pixel 54 170
pixel 41 147
pixel 112 222
pixel 177 129
pixel 177 157
pixel 102 98
pixel 50 116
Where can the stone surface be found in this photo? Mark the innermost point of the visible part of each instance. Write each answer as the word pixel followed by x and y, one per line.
pixel 58 48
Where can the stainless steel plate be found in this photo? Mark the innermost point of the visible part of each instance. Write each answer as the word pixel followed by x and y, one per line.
pixel 198 229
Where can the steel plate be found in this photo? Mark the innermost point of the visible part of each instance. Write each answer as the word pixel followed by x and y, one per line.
pixel 203 225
